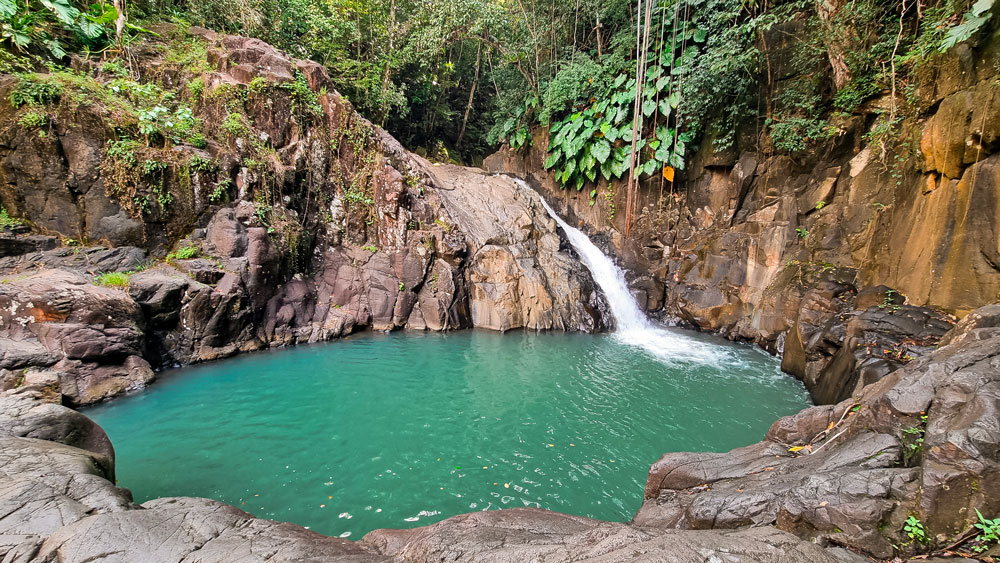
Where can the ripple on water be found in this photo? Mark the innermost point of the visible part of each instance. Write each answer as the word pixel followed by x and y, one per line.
pixel 405 429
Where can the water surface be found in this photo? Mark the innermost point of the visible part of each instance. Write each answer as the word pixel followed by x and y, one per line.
pixel 405 429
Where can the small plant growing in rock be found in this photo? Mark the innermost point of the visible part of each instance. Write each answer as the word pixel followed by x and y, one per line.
pixel 32 119
pixel 914 529
pixel 370 248
pixel 115 68
pixel 221 191
pixel 913 439
pixel 183 253
pixel 803 233
pixel 112 279
pixel 35 93
pixel 402 286
pixel 6 220
pixel 989 533
pixel 444 225
pixel 820 205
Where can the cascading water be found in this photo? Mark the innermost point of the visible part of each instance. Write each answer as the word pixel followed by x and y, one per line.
pixel 633 328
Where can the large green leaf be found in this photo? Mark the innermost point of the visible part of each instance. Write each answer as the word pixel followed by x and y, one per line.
pixel 663 153
pixel 619 81
pixel 677 161
pixel 90 29
pixel 675 99
pixel 55 48
pixel 7 9
pixel 601 149
pixel 553 159
pixel 680 147
pixel 665 107
pixel 64 12
pixel 621 114
pixel 103 15
pixel 569 170
pixel 650 166
pixel 648 107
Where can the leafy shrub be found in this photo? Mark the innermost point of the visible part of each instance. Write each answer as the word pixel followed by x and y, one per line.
pixel 6 221
pixel 797 133
pixel 32 119
pixel 183 253
pixel 35 92
pixel 914 529
pixel 989 533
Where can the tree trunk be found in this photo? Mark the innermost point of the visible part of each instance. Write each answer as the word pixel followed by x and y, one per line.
pixel 472 92
pixel 835 49
pixel 390 31
pixel 119 22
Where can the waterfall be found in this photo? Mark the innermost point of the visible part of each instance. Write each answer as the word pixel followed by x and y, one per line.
pixel 633 328
pixel 610 277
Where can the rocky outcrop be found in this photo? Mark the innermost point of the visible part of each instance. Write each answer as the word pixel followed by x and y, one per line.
pixel 921 441
pixel 74 340
pixel 332 228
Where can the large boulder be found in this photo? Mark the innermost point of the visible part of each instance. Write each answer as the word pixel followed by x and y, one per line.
pixel 89 338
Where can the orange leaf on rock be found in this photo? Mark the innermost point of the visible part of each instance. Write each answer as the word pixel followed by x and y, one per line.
pixel 668 173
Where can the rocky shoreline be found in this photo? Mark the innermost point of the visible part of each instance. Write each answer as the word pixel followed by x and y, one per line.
pixel 829 477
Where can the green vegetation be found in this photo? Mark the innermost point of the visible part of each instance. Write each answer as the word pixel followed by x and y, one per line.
pixel 458 77
pixel 32 119
pixel 6 221
pixel 914 530
pixel 113 279
pixel 183 253
pixel 989 533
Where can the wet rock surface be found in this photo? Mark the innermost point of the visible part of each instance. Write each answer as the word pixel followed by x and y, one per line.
pixel 922 440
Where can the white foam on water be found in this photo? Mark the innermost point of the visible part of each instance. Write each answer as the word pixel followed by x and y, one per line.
pixel 633 328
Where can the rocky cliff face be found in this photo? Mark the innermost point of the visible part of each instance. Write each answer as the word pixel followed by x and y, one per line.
pixel 291 218
pixel 757 245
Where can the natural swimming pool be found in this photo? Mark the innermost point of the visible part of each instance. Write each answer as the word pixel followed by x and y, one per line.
pixel 404 429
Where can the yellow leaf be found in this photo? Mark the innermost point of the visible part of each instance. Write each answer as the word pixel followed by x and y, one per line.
pixel 796 448
pixel 668 173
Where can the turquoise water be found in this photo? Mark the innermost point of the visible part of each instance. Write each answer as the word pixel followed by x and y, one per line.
pixel 405 429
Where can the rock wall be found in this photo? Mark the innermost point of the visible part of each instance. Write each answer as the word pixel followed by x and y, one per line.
pixel 297 227
pixel 746 238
